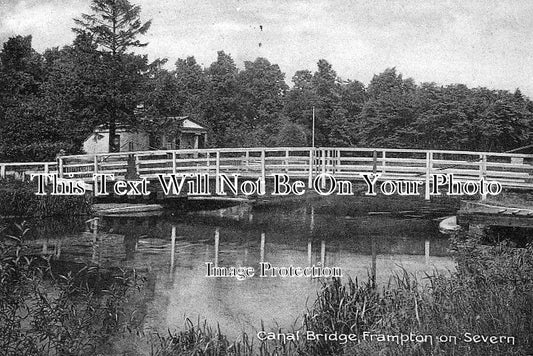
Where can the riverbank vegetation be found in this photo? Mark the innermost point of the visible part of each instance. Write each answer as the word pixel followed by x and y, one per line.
pixel 45 311
pixel 54 100
pixel 19 200
pixel 489 295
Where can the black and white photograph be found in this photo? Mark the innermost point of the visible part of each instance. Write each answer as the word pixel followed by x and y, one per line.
pixel 271 178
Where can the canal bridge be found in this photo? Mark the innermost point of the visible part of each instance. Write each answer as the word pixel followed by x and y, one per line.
pixel 512 170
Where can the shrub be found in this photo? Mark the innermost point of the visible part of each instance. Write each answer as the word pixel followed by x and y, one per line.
pixel 43 313
pixel 18 199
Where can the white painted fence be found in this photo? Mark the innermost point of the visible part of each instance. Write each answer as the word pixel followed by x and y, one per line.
pixel 510 169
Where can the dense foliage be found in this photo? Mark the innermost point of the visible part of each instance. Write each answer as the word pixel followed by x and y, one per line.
pixel 46 312
pixel 19 200
pixel 53 100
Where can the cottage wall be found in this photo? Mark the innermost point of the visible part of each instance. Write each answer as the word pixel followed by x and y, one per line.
pixel 98 142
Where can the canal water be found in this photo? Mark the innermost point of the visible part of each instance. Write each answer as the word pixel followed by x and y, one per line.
pixel 172 250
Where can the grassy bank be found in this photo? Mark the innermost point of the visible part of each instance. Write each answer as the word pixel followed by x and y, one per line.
pixel 18 199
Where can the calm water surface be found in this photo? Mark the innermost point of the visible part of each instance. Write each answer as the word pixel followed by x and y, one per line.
pixel 172 251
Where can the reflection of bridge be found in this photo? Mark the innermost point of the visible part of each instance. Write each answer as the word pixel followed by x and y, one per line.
pixel 510 169
pixel 98 247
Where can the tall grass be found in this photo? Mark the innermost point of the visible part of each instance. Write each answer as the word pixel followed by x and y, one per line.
pixel 490 294
pixel 45 313
pixel 18 199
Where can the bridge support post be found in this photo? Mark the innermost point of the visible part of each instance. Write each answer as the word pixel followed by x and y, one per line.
pixel 384 156
pixel 287 161
pixel 217 172
pixel 60 167
pixel 311 159
pixel 174 162
pixel 95 164
pixel 263 170
pixel 429 163
pixel 3 171
pixel 483 172
pixel 374 162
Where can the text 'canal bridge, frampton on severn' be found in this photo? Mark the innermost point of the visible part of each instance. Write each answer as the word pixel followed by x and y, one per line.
pixel 511 170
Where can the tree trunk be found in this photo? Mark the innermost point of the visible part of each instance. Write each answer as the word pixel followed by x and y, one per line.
pixel 113 145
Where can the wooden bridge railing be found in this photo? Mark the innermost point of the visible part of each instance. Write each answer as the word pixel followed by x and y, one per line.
pixel 510 169
pixel 23 170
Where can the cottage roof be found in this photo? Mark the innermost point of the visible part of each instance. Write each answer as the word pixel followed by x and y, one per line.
pixel 179 123
pixel 183 123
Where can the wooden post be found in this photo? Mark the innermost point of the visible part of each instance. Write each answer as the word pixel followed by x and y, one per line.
pixel 429 163
pixel 311 159
pixel 263 168
pixel 323 160
pixel 46 168
pixel 323 168
pixel 374 162
pixel 60 167
pixel 173 162
pixel 137 165
pixel 483 172
pixel 338 163
pixel 217 173
pixel 384 157
pixel 286 161
pixel 328 160
pixel 95 164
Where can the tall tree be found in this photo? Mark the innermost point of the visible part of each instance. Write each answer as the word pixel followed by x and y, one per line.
pixel 115 26
pixel 221 108
pixel 23 127
pixel 191 86
pixel 261 91
pixel 300 100
pixel 390 110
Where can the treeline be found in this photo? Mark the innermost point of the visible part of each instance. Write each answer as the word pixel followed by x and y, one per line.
pixel 53 101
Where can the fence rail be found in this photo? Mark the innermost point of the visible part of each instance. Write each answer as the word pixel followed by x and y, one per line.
pixel 510 169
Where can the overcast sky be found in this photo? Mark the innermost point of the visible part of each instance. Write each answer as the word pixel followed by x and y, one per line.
pixel 478 43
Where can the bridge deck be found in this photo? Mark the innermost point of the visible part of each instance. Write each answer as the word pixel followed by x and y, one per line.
pixel 491 215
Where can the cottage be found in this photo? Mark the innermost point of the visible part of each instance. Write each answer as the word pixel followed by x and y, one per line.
pixel 166 133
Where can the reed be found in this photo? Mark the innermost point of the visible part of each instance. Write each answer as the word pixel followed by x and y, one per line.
pixel 46 313
pixel 18 199
pixel 490 294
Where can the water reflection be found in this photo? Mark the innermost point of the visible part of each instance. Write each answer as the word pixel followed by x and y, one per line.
pixel 172 252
